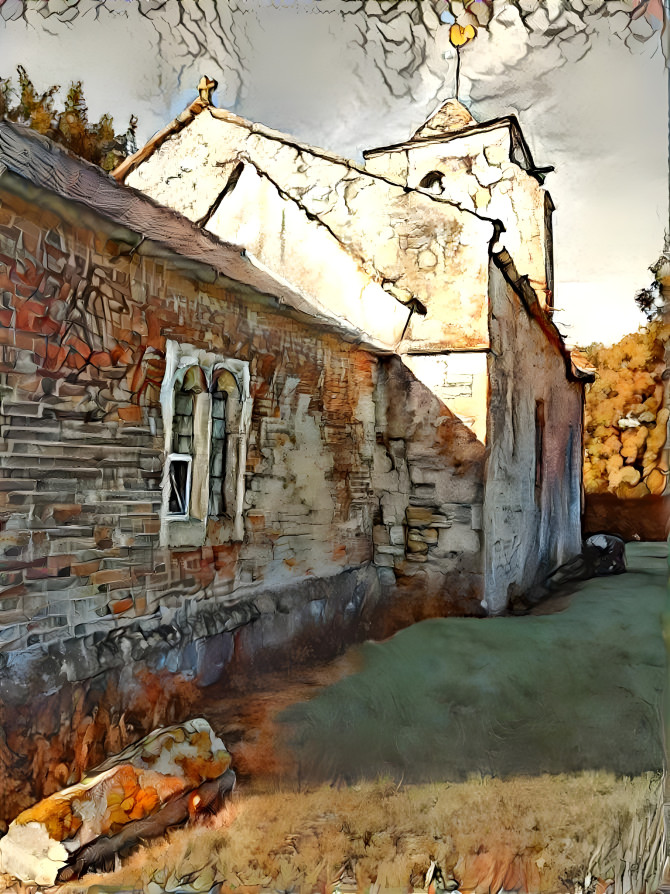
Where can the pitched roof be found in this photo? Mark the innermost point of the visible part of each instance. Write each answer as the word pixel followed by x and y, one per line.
pixel 449 118
pixel 387 228
pixel 378 221
pixel 82 192
pixel 576 370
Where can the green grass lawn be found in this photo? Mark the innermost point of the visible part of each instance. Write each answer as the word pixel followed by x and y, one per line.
pixel 581 689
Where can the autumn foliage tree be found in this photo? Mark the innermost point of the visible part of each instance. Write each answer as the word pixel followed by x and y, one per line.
pixel 69 126
pixel 625 417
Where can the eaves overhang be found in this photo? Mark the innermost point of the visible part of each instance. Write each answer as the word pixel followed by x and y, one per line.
pixel 529 301
pixel 34 168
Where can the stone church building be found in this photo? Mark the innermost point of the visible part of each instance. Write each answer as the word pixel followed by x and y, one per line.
pixel 256 398
pixel 455 225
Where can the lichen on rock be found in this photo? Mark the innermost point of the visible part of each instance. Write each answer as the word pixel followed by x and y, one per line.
pixel 128 787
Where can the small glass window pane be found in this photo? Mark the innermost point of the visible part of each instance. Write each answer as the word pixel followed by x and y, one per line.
pixel 179 484
pixel 217 462
pixel 182 423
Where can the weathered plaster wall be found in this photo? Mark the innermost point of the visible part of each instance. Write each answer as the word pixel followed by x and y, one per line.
pixel 417 245
pixel 481 172
pixel 271 227
pixel 530 529
pixel 460 380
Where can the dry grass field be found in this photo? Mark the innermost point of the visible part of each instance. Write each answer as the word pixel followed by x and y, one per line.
pixel 541 834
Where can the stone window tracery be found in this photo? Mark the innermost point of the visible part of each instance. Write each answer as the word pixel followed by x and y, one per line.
pixel 206 413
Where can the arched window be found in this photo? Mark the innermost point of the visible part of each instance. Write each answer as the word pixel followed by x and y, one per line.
pixel 188 384
pixel 206 410
pixel 433 182
pixel 225 395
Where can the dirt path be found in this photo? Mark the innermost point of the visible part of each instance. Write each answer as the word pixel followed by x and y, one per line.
pixel 245 715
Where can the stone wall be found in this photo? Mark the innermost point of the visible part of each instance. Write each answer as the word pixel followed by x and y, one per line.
pixel 533 482
pixel 483 171
pixel 338 442
pixel 359 493
pixel 428 470
pixel 361 508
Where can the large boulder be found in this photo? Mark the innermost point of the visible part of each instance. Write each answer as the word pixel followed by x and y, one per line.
pixel 159 782
pixel 606 554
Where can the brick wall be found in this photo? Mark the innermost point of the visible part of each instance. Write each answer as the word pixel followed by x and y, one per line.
pixel 84 328
pixel 82 360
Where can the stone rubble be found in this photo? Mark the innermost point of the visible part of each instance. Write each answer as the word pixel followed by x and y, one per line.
pixel 156 783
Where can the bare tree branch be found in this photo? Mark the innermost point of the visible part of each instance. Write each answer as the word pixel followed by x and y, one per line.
pixel 397 37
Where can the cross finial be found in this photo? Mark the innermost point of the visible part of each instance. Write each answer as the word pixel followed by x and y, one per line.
pixel 205 88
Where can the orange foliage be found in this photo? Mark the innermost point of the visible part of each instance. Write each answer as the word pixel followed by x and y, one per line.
pixel 624 420
pixel 54 739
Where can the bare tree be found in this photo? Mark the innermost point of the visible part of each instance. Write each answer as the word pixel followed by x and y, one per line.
pixel 395 34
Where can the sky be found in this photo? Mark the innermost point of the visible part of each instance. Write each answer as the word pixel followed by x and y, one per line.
pixel 319 70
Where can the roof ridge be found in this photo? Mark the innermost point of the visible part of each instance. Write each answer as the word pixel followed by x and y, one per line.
pixel 319 152
pixel 199 105
pixel 451 117
pixel 203 101
pixel 447 136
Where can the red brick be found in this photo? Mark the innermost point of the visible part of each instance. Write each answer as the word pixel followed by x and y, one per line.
pixel 83 569
pixel 121 605
pixel 56 355
pixel 131 413
pixel 101 359
pixel 64 513
pixel 110 576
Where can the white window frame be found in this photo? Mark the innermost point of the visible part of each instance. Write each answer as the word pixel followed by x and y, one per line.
pixel 187 458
